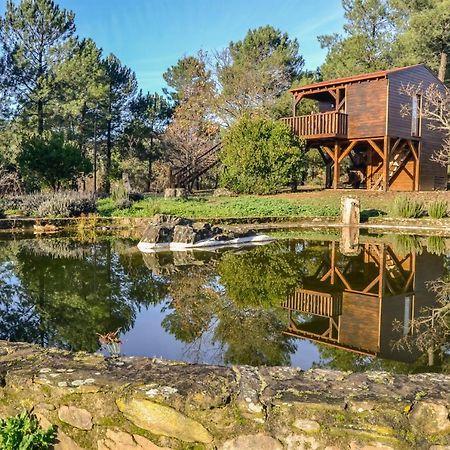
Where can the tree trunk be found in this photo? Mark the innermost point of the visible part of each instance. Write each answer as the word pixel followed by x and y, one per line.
pixel 443 66
pixel 149 173
pixel 107 183
pixel 40 114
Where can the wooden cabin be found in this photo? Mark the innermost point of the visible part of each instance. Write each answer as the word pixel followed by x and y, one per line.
pixel 352 302
pixel 360 118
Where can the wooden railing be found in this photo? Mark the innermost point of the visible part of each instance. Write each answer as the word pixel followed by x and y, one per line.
pixel 203 162
pixel 328 124
pixel 313 302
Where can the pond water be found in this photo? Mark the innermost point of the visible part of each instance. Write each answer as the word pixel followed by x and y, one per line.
pixel 298 301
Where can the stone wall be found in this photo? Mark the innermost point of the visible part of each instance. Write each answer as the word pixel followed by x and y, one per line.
pixel 141 403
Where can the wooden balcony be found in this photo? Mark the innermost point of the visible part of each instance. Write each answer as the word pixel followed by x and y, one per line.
pixel 317 126
pixel 313 302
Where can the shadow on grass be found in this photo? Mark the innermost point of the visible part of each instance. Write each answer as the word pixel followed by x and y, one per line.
pixel 367 213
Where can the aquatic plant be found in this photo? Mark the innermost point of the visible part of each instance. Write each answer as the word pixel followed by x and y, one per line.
pixel 436 245
pixel 111 342
pixel 24 432
pixel 406 243
pixel 437 209
pixel 408 208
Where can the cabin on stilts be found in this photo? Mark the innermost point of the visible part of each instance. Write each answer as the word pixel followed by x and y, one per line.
pixel 359 124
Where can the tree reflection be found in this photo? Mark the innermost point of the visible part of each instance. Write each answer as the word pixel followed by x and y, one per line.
pixel 236 302
pixel 53 294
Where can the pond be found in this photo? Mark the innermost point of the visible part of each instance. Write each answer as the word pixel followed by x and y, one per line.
pixel 299 301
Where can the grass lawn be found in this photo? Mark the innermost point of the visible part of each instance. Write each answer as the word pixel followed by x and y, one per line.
pixel 302 204
pixel 220 207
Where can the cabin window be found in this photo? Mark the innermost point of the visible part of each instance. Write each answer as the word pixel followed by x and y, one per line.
pixel 415 115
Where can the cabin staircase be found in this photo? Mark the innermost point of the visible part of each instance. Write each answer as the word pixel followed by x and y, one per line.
pixel 185 176
pixel 396 163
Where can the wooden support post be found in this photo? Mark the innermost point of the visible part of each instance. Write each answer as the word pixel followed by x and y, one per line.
pixel 386 164
pixel 337 149
pixel 417 166
pixel 295 101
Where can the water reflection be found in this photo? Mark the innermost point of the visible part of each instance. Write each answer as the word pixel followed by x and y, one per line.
pixel 263 306
pixel 351 303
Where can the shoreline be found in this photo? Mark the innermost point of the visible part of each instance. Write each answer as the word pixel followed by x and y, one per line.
pixel 94 400
pixel 383 224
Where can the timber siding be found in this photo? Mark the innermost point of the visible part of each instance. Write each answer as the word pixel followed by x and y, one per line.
pixel 366 109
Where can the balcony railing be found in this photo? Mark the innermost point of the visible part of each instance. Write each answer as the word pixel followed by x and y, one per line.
pixel 320 125
pixel 313 302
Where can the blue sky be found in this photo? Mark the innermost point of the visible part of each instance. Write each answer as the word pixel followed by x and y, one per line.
pixel 149 35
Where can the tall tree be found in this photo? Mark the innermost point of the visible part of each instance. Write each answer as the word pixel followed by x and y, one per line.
pixel 254 72
pixel 193 125
pixel 425 36
pixel 34 35
pixel 366 45
pixel 121 89
pixel 149 116
pixel 83 86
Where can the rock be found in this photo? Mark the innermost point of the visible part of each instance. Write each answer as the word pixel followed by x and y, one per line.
pixel 258 441
pixel 371 446
pixel 184 234
pixel 307 425
pixel 115 440
pixel 163 420
pixel 165 229
pixel 77 417
pixel 175 192
pixel 222 192
pixel 301 441
pixel 430 418
pixel 362 406
pixel 46 406
pixel 63 442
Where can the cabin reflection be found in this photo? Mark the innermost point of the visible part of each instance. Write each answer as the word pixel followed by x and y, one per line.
pixel 351 302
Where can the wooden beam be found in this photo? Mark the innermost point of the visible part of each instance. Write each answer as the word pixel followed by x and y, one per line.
pixel 374 145
pixel 337 149
pixel 329 151
pixel 396 144
pixel 413 150
pixel 297 99
pixel 347 150
pixel 386 164
pixel 334 93
pixel 417 168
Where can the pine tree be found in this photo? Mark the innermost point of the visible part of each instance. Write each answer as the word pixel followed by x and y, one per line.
pixel 367 42
pixel 121 89
pixel 149 116
pixel 35 35
pixel 425 36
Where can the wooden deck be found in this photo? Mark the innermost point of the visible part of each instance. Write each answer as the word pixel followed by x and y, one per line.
pixel 320 125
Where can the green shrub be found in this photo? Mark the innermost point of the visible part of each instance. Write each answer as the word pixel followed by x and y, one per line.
pixel 2 213
pixel 23 432
pixel 438 209
pixel 260 156
pixel 65 204
pixel 51 161
pixel 408 208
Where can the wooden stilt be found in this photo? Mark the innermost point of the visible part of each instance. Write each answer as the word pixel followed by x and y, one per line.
pixel 386 163
pixel 337 149
pixel 417 167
